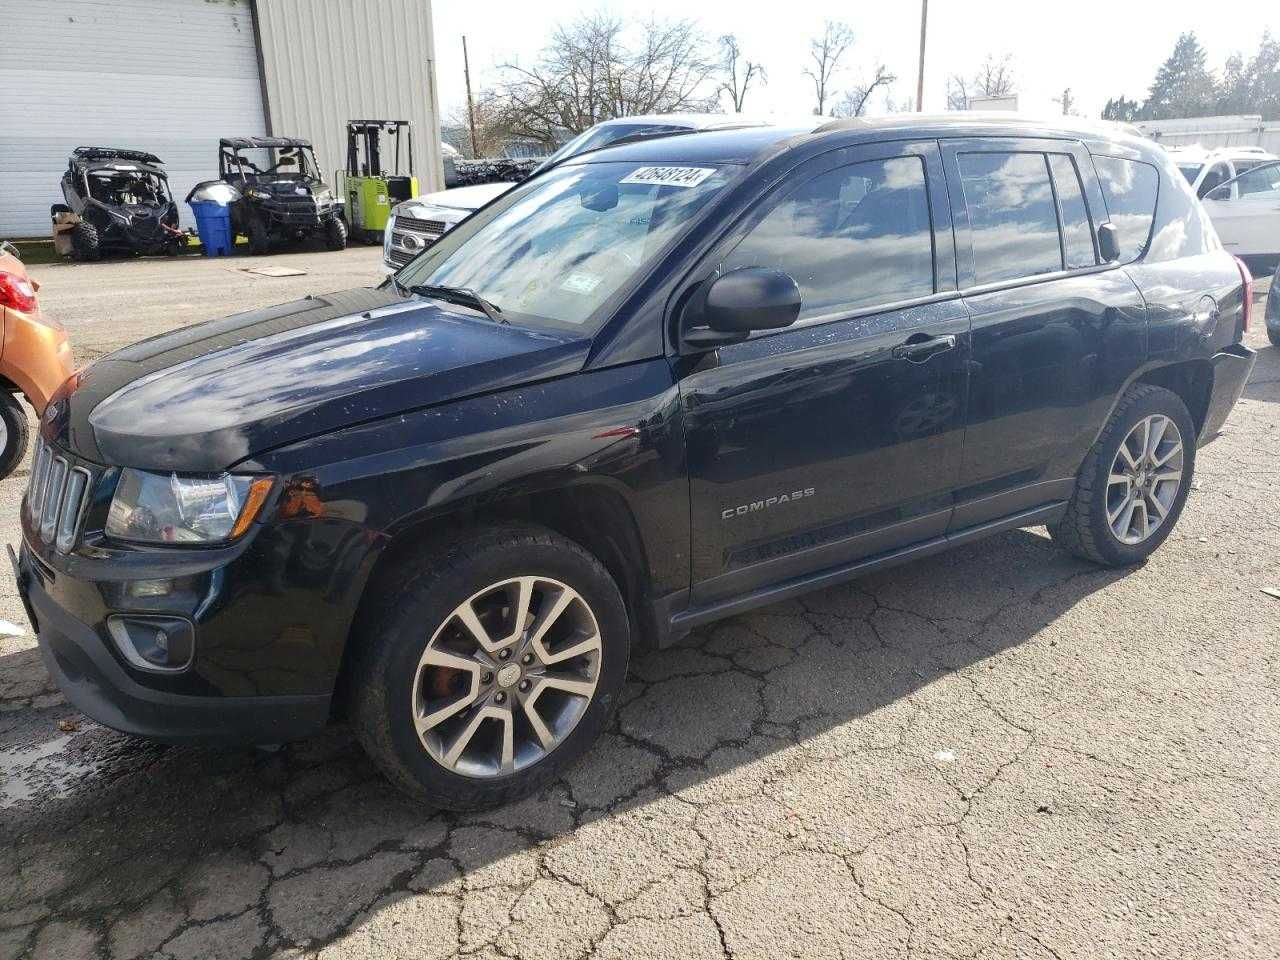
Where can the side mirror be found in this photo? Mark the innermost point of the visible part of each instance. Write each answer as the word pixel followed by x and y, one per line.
pixel 1108 242
pixel 738 302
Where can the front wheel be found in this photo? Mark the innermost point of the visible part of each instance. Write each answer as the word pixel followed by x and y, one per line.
pixel 259 236
pixel 335 234
pixel 14 431
pixel 489 667
pixel 1134 482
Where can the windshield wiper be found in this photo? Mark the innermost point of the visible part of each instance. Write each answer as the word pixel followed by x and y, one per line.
pixel 464 296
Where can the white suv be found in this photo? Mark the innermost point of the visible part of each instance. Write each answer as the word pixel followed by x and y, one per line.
pixel 1207 169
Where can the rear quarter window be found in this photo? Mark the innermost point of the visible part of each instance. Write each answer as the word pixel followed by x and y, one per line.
pixel 1131 189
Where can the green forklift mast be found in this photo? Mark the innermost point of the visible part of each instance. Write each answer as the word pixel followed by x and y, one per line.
pixel 371 186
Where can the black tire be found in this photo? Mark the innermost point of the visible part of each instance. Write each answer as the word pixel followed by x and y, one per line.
pixel 401 618
pixel 85 244
pixel 335 234
pixel 13 447
pixel 1084 529
pixel 259 236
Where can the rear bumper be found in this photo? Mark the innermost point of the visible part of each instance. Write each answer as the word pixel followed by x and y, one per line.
pixel 1231 369
pixel 85 670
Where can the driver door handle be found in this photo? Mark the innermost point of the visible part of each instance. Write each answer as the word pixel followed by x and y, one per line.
pixel 919 347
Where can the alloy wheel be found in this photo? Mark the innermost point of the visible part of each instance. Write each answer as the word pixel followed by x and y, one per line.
pixel 1145 478
pixel 506 677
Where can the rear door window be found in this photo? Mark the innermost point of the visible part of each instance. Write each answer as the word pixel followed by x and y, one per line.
pixel 853 237
pixel 1077 232
pixel 1130 189
pixel 1012 216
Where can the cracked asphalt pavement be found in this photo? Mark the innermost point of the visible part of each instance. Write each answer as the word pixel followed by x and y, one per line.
pixel 997 753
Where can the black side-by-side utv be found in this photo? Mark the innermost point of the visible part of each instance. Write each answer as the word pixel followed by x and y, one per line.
pixel 281 194
pixel 122 199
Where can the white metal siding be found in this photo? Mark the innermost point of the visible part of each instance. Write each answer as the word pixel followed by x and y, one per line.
pixel 168 76
pixel 325 63
pixel 1210 132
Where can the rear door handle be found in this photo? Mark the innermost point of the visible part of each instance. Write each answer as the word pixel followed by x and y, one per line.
pixel 920 347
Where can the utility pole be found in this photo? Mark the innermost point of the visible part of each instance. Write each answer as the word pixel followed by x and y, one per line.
pixel 924 19
pixel 471 110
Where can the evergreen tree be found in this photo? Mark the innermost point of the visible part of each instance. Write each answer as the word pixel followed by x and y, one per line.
pixel 1120 108
pixel 1184 85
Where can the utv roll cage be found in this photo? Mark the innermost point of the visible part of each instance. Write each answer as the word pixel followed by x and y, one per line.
pixel 231 164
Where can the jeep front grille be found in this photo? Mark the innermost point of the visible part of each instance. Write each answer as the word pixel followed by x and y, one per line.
pixel 56 497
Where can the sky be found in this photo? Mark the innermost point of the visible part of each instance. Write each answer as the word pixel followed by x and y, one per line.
pixel 1098 49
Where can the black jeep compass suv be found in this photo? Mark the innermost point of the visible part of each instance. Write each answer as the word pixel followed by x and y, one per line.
pixel 656 385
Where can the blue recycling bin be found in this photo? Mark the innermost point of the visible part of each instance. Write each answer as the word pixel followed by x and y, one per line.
pixel 213 224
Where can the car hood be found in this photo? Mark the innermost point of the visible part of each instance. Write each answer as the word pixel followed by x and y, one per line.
pixel 466 199
pixel 204 397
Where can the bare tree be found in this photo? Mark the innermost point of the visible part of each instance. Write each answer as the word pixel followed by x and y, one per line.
pixel 592 70
pixel 854 102
pixel 738 72
pixel 826 51
pixel 993 79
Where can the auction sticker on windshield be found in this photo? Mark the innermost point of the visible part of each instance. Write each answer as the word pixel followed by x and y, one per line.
pixel 669 176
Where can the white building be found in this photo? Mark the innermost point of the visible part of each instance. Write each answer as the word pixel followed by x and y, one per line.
pixel 173 76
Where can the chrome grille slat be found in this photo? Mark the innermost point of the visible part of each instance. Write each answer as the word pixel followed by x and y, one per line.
pixel 73 504
pixel 52 498
pixel 57 497
pixel 416 225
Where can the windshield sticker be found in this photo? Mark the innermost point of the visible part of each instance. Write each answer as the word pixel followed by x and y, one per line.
pixel 669 176
pixel 582 283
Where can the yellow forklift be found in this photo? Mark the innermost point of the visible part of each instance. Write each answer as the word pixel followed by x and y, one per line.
pixel 369 186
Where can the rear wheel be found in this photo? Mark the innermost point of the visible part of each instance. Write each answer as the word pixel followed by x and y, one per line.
pixel 85 244
pixel 13 433
pixel 335 234
pixel 490 667
pixel 1134 482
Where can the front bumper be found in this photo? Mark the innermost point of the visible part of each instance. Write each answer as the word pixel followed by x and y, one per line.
pixel 83 665
pixel 1231 369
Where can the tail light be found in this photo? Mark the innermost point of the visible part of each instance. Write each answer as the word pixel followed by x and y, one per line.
pixel 17 293
pixel 1247 278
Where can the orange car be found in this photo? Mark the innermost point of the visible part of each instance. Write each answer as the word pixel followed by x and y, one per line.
pixel 35 357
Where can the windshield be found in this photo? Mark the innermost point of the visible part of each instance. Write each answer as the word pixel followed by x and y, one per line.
pixel 552 252
pixel 1190 171
pixel 276 162
pixel 603 134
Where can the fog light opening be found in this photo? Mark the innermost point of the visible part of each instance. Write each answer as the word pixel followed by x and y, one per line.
pixel 156 644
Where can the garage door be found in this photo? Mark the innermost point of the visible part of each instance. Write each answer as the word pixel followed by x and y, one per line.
pixel 167 76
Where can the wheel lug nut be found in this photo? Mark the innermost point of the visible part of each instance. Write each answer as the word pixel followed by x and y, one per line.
pixel 486 678
pixel 503 654
pixel 499 697
pixel 527 658
pixel 524 685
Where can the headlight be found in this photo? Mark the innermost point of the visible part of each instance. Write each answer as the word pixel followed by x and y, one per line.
pixel 258 194
pixel 159 508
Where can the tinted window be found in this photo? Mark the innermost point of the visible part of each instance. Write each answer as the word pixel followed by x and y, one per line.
pixel 853 237
pixel 1011 215
pixel 1077 234
pixel 1129 188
